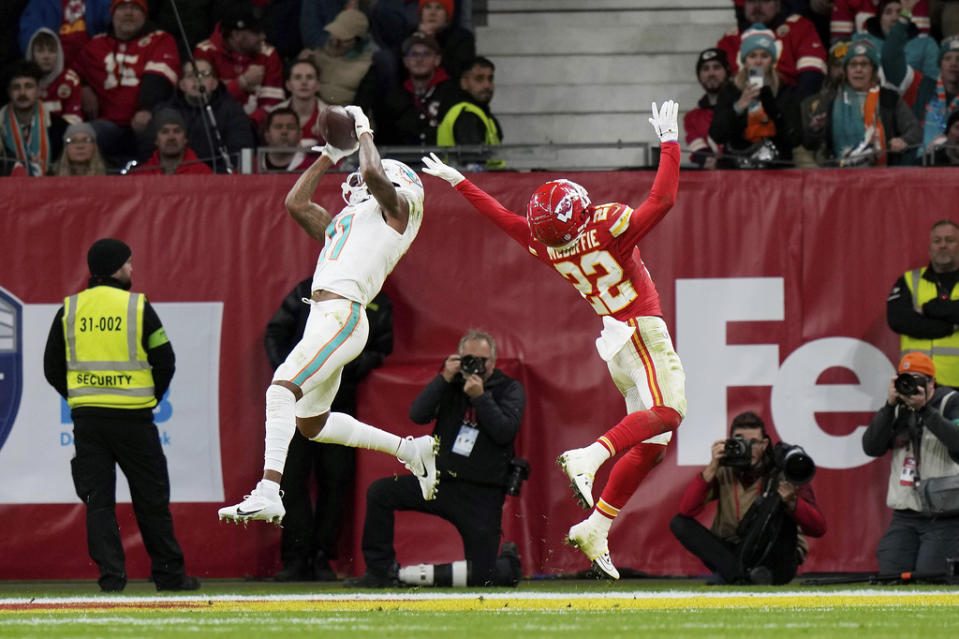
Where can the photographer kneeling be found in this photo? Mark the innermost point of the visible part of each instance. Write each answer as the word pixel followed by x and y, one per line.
pixel 765 507
pixel 918 424
pixel 478 411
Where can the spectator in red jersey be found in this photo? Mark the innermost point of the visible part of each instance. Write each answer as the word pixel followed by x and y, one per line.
pixel 411 113
pixel 302 83
pixel 712 71
pixel 249 67
pixel 282 131
pixel 60 87
pixel 800 57
pixel 126 72
pixel 31 138
pixel 172 155
pixel 757 115
pixel 758 535
pixel 849 17
pixel 594 248
pixel 74 21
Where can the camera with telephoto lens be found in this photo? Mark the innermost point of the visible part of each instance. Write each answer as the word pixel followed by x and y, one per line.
pixel 907 384
pixel 518 473
pixel 472 365
pixel 796 466
pixel 737 452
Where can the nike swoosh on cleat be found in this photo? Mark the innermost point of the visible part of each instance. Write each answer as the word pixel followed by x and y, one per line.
pixel 246 513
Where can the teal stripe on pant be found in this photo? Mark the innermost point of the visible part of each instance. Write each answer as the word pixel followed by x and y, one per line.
pixel 330 347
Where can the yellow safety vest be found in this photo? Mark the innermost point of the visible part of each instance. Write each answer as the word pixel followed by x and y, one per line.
pixel 445 137
pixel 943 351
pixel 106 363
pixel 444 133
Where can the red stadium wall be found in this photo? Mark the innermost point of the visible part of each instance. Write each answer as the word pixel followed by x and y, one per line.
pixel 837 239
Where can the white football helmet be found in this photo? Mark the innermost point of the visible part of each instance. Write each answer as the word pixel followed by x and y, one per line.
pixel 403 178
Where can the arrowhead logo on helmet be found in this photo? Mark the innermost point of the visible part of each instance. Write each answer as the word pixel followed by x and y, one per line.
pixel 558 213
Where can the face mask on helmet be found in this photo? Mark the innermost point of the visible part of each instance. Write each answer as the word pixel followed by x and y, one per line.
pixel 354 189
pixel 558 213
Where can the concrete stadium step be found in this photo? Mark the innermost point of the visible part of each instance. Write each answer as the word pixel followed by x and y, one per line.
pixel 672 15
pixel 571 71
pixel 609 40
pixel 516 99
pixel 578 128
pixel 596 6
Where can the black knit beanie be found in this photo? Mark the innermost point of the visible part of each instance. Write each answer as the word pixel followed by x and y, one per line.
pixel 106 256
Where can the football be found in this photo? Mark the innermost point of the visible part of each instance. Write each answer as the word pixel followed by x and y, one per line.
pixel 337 127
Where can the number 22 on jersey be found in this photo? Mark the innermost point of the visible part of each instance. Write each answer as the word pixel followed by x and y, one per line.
pixel 600 279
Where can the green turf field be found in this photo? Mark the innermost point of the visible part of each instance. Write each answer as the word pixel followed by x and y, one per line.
pixel 553 608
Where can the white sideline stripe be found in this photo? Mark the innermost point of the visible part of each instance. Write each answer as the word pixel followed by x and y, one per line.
pixel 430 596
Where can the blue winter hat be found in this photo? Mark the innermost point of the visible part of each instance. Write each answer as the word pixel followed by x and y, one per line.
pixel 755 37
pixel 948 44
pixel 862 47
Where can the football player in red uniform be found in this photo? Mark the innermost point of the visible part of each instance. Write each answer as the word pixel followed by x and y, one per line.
pixel 594 247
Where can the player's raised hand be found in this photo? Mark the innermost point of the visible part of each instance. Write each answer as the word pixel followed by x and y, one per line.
pixel 665 121
pixel 362 122
pixel 334 153
pixel 435 167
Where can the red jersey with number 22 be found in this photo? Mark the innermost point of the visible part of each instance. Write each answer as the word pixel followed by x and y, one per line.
pixel 604 265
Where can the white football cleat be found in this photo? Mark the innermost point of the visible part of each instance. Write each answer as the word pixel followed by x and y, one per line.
pixel 260 504
pixel 423 464
pixel 591 540
pixel 579 467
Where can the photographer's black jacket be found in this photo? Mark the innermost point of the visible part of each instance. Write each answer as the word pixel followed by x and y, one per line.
pixel 930 436
pixel 497 413
pixel 888 429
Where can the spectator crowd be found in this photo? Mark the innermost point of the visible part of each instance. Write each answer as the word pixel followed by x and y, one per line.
pixel 170 88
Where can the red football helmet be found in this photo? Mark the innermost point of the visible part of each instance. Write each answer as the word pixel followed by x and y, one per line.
pixel 558 213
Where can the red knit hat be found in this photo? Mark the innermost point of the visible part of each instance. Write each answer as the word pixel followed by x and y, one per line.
pixel 140 3
pixel 448 4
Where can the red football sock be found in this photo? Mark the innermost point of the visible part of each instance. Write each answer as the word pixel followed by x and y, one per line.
pixel 641 425
pixel 626 476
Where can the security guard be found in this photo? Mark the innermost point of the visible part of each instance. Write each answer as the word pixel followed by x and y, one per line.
pixel 108 355
pixel 469 120
pixel 923 306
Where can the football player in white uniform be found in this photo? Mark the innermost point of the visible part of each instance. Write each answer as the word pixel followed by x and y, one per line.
pixel 362 245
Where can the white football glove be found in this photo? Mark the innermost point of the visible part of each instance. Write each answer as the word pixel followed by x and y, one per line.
pixel 434 166
pixel 665 121
pixel 360 120
pixel 334 153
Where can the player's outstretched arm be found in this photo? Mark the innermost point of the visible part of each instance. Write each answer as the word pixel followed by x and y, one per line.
pixel 312 217
pixel 395 208
pixel 665 122
pixel 482 201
